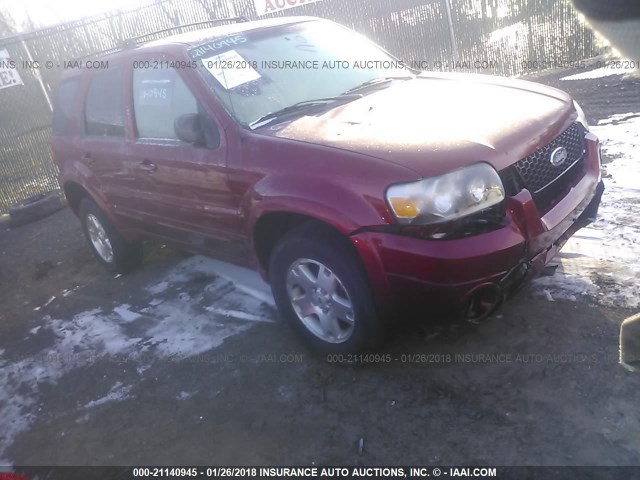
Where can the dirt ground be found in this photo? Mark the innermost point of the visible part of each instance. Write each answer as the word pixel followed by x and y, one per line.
pixel 184 362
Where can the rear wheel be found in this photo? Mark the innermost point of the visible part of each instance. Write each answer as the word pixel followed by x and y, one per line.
pixel 106 243
pixel 322 291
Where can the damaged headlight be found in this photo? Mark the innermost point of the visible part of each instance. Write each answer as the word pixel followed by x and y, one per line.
pixel 447 197
pixel 582 118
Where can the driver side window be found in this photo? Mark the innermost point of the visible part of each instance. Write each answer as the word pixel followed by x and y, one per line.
pixel 160 96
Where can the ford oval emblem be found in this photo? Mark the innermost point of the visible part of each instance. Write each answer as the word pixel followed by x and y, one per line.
pixel 558 156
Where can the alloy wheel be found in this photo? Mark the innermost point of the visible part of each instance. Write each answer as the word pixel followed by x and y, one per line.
pixel 320 300
pixel 99 238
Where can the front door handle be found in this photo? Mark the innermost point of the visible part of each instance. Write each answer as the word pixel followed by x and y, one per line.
pixel 148 166
pixel 87 158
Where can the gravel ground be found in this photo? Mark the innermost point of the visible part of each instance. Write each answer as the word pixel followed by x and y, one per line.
pixel 184 362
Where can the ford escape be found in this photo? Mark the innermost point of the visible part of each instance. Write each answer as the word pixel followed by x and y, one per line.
pixel 362 188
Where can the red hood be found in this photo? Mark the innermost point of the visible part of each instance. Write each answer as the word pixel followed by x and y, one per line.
pixel 439 122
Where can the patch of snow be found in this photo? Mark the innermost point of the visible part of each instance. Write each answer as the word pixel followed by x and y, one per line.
pixel 14 408
pixel 83 419
pixel 46 304
pixel 248 281
pixel 599 73
pixel 158 288
pixel 628 367
pixel 602 260
pixel 181 331
pixel 87 336
pixel 184 395
pixel 239 315
pixel 243 279
pixel 126 314
pixel 117 393
pixel 258 294
pixel 177 322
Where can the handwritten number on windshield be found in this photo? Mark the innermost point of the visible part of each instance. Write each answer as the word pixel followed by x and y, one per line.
pixel 301 43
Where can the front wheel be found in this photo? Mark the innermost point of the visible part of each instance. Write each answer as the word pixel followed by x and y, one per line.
pixel 322 291
pixel 107 244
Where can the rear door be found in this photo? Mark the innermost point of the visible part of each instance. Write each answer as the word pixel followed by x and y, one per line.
pixel 183 191
pixel 102 144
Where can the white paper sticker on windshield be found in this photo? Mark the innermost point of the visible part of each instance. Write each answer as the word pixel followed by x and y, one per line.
pixel 230 69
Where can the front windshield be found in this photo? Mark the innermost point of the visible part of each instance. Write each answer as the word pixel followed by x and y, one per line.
pixel 260 72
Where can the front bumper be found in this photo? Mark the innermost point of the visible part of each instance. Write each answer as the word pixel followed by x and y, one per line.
pixel 410 275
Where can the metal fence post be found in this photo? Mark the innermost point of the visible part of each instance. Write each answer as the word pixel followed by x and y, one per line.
pixel 452 35
pixel 36 73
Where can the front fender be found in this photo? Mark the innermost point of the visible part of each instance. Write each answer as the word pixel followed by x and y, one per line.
pixel 335 205
pixel 330 202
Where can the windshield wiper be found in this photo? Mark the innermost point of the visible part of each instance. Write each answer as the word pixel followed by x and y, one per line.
pixel 304 105
pixel 375 82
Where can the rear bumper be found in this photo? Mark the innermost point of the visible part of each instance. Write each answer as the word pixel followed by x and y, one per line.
pixel 411 275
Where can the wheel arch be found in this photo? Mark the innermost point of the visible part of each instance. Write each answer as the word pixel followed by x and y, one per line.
pixel 74 192
pixel 273 226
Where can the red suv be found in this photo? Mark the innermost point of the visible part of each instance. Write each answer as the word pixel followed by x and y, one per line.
pixel 363 189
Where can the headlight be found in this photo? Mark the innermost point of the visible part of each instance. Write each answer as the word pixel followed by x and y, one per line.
pixel 582 118
pixel 446 197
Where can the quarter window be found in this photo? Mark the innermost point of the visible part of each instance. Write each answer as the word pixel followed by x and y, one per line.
pixel 64 104
pixel 103 110
pixel 159 97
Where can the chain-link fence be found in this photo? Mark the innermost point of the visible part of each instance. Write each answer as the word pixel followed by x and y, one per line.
pixel 504 37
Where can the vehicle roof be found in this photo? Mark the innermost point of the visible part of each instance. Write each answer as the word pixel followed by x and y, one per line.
pixel 198 37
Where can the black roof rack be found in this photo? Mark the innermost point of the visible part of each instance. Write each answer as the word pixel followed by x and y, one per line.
pixel 136 41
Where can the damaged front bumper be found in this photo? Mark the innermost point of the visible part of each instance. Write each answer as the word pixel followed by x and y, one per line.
pixel 471 276
pixel 528 269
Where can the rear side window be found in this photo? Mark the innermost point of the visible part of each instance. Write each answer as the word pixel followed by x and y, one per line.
pixel 159 97
pixel 103 109
pixel 64 104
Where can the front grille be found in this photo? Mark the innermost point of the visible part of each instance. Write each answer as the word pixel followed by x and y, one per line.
pixel 537 171
pixel 545 181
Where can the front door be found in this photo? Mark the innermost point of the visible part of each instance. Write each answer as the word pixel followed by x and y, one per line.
pixel 182 189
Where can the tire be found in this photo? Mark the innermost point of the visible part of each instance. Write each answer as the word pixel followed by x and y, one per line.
pixel 108 246
pixel 36 207
pixel 314 251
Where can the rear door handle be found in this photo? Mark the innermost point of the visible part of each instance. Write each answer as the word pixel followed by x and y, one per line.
pixel 148 166
pixel 87 158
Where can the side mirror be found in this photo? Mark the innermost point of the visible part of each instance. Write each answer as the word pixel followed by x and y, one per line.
pixel 188 128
